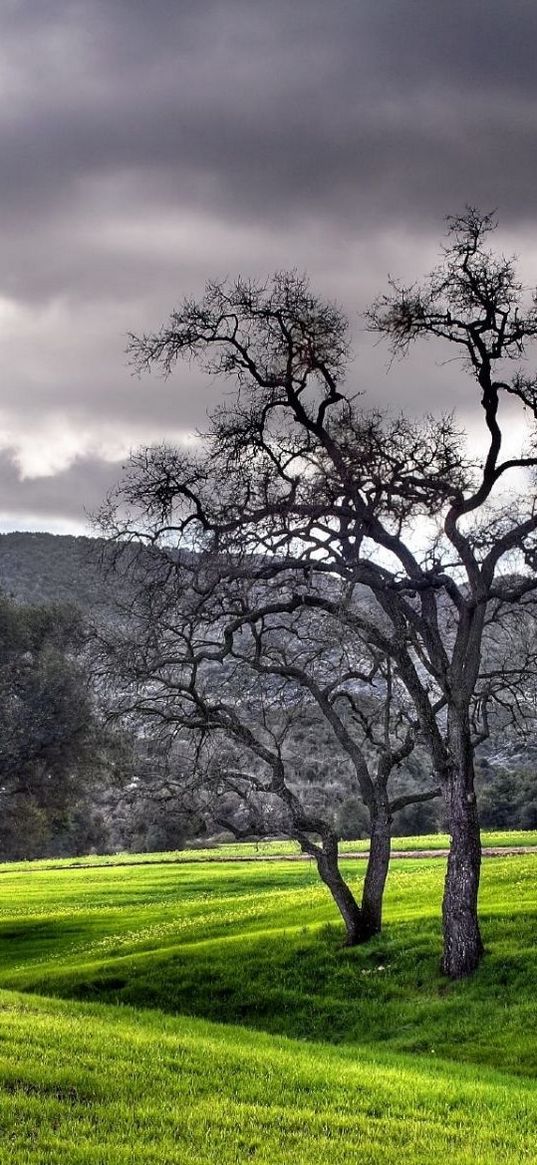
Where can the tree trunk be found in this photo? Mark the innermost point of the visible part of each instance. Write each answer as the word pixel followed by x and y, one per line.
pixel 463 948
pixel 327 865
pixel 376 873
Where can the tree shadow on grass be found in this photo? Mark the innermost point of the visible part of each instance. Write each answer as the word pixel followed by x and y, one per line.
pixel 308 986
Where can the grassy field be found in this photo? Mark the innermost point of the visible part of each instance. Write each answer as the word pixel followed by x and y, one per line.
pixel 512 839
pixel 208 1012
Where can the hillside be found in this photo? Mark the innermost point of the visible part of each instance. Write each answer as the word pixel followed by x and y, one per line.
pixel 44 568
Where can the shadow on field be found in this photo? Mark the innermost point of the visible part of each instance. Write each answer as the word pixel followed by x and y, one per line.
pixel 26 942
pixel 308 986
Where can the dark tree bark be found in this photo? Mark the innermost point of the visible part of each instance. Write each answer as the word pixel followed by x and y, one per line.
pixel 326 858
pixel 463 946
pixel 362 921
pixel 376 873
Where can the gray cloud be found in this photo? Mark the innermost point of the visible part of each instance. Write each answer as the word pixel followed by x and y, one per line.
pixel 269 110
pixel 74 494
pixel 146 148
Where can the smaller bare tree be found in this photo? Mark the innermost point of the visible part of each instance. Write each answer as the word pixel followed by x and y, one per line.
pixel 220 653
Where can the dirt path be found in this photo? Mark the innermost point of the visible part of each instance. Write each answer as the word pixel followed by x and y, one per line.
pixel 359 855
pixel 488 852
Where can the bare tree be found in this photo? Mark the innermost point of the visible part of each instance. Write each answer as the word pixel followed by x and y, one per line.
pixel 295 479
pixel 228 656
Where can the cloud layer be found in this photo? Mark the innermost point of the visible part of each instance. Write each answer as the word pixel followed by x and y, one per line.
pixel 146 148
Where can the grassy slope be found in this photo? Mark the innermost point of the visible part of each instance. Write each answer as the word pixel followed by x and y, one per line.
pixel 256 945
pixel 103 1086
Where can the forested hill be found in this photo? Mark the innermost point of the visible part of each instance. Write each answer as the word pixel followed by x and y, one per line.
pixel 47 568
pixel 43 568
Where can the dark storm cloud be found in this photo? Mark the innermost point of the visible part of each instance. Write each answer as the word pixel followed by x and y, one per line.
pixel 265 110
pixel 146 147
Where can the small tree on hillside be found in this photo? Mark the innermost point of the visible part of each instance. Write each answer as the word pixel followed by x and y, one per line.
pixel 294 478
pixel 51 745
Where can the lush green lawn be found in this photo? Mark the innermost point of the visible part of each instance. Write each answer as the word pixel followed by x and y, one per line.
pixel 362 1055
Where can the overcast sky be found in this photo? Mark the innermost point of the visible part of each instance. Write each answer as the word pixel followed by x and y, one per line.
pixel 147 147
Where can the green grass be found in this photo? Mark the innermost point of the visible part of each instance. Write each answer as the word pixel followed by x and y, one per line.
pixel 513 839
pixel 102 1085
pixel 112 978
